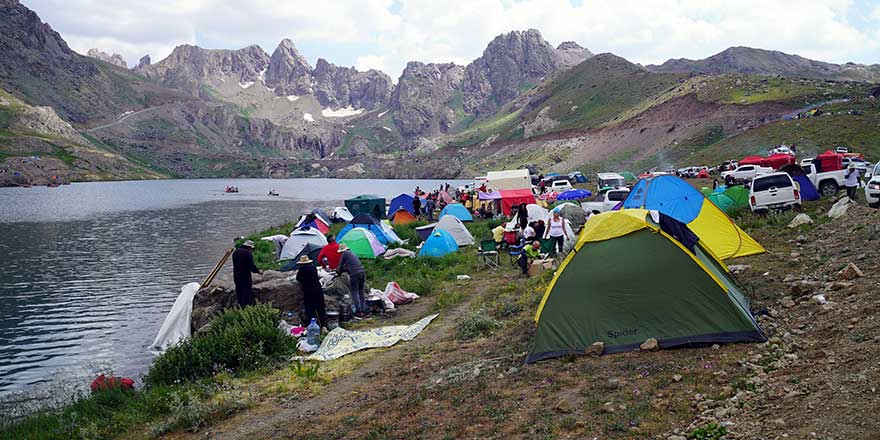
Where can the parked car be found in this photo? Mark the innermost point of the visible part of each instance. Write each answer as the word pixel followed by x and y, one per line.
pixel 774 191
pixel 560 185
pixel 842 150
pixel 862 165
pixel 746 172
pixel 872 188
pixel 728 165
pixel 782 149
pixel 606 201
pixel 828 182
pixel 807 161
pixel 612 180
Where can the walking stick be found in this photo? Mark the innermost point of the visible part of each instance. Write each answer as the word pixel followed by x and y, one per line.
pixel 217 268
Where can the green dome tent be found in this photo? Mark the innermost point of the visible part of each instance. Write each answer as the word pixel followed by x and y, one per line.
pixel 724 203
pixel 628 285
pixel 739 194
pixel 628 176
pixel 706 190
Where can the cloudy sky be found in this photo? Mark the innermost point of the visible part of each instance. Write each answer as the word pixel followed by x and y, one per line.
pixel 385 34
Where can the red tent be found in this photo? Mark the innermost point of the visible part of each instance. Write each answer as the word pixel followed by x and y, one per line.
pixel 828 161
pixel 513 197
pixel 777 161
pixel 752 160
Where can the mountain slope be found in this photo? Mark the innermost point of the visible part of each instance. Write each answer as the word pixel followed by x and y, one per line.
pixel 768 62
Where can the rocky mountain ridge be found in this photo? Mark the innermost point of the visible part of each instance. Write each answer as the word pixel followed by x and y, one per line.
pixel 753 61
pixel 114 59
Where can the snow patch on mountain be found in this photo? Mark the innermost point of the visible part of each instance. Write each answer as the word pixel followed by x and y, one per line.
pixel 341 113
pixel 308 117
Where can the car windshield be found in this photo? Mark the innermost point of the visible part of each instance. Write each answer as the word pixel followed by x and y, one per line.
pixel 616 196
pixel 612 182
pixel 765 183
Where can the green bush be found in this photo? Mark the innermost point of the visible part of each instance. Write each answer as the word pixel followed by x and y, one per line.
pixel 477 324
pixel 712 431
pixel 237 340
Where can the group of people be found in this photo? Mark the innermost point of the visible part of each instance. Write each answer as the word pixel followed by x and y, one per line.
pixel 529 235
pixel 332 257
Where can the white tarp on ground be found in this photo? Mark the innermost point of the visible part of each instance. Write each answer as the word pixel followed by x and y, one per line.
pixel 177 324
pixel 340 342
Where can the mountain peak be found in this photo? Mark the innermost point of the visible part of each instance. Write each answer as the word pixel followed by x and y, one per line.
pixel 288 71
pixel 569 45
pixel 114 59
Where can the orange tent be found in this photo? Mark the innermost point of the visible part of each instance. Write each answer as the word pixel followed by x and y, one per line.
pixel 402 217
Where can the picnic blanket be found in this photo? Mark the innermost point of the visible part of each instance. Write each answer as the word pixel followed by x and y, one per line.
pixel 340 342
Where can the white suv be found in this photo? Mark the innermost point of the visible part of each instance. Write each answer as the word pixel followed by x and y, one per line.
pixel 872 188
pixel 776 191
pixel 560 185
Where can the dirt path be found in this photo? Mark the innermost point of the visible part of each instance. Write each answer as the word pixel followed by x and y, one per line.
pixel 124 118
pixel 271 419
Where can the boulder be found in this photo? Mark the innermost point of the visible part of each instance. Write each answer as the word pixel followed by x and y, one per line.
pixel 850 272
pixel 650 344
pixel 271 287
pixel 596 349
pixel 800 219
pixel 839 208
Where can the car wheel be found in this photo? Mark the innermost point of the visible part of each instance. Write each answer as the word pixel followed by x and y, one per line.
pixel 874 205
pixel 828 189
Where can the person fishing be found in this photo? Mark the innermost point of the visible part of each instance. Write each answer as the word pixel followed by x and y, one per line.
pixel 242 267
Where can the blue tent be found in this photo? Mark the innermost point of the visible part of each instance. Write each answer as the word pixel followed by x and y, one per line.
pixel 574 194
pixel 438 244
pixel 551 174
pixel 577 177
pixel 403 201
pixel 369 223
pixel 808 190
pixel 457 210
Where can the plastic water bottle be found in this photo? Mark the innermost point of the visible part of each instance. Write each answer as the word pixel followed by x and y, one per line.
pixel 312 332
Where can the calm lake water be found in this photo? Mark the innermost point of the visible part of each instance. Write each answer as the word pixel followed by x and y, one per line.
pixel 88 271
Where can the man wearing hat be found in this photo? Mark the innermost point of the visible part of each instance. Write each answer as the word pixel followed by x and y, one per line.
pixel 852 181
pixel 349 262
pixel 242 267
pixel 313 295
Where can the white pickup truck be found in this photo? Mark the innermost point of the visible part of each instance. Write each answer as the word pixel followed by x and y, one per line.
pixel 605 202
pixel 746 172
pixel 827 183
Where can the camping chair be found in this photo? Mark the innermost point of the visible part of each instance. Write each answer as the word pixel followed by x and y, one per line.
pixel 514 251
pixel 487 255
pixel 547 247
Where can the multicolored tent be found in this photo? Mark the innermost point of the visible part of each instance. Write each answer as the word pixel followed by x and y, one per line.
pixel 363 243
pixel 402 217
pixel 438 244
pixel 366 221
pixel 458 210
pixel 313 221
pixel 629 280
pixel 403 201
pixel 676 198
pixel 298 240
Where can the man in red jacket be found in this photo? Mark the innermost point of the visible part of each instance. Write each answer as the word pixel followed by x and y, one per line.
pixel 329 256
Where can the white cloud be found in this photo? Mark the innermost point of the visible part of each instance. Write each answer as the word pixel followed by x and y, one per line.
pixel 648 31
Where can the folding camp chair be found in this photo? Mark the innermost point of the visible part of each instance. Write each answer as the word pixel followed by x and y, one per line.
pixel 514 251
pixel 548 248
pixel 487 255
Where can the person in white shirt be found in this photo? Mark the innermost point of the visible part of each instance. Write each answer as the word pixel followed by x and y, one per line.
pixel 556 231
pixel 529 232
pixel 852 182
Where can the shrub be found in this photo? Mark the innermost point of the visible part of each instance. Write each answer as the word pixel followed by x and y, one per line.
pixel 237 340
pixel 712 431
pixel 477 324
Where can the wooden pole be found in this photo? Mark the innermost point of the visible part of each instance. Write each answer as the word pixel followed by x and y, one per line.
pixel 217 268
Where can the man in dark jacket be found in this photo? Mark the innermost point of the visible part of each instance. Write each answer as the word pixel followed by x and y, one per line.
pixel 313 294
pixel 350 263
pixel 242 267
pixel 417 206
pixel 430 206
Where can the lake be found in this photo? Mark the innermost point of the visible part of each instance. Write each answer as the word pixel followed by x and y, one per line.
pixel 88 271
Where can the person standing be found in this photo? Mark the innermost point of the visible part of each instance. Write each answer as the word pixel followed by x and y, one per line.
pixel 430 206
pixel 529 232
pixel 556 232
pixel 350 264
pixel 852 182
pixel 313 294
pixel 539 228
pixel 522 216
pixel 417 206
pixel 242 267
pixel 329 256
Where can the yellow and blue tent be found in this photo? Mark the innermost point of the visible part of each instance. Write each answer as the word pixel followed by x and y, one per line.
pixel 676 198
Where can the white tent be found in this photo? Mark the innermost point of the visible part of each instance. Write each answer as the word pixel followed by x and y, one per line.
pixel 509 179
pixel 535 213
pixel 298 240
pixel 456 228
pixel 341 213
pixel 389 232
